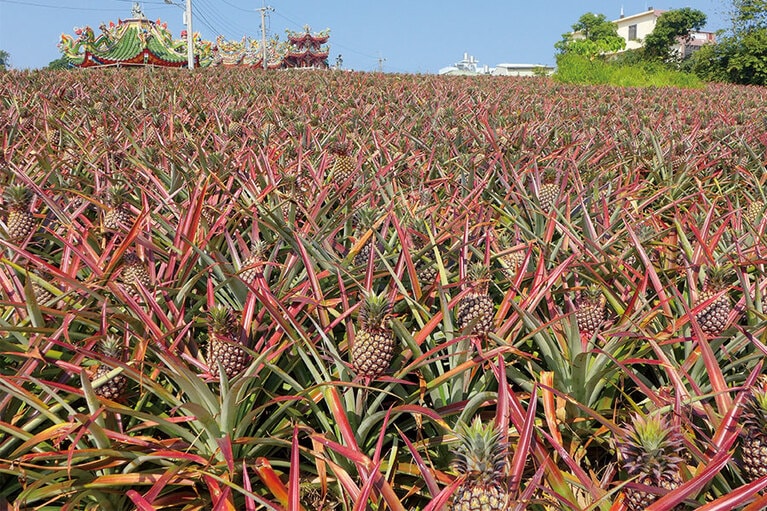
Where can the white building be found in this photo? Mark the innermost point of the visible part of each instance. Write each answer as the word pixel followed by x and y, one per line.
pixel 470 66
pixel 634 28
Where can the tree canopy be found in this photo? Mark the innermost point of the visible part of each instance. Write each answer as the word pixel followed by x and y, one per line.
pixel 741 55
pixel 671 27
pixel 5 59
pixel 593 34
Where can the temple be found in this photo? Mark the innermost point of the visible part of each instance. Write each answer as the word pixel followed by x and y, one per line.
pixel 139 41
pixel 307 50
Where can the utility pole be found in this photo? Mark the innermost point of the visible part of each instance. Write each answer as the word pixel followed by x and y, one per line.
pixel 263 10
pixel 189 36
pixel 381 61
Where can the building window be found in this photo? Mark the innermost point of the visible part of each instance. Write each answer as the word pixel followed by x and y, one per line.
pixel 632 32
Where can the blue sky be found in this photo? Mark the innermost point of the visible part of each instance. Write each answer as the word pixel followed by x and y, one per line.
pixel 408 36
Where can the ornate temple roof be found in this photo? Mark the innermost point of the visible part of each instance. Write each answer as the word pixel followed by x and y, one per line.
pixel 135 41
pixel 139 41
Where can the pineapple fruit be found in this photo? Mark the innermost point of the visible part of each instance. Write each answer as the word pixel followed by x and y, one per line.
pixel 712 317
pixel 590 310
pixel 511 261
pixel 117 215
pixel 251 266
pixel 651 453
pixel 373 348
pixel 224 346
pixel 476 309
pixel 343 163
pixel 134 272
pixel 480 459
pixel 364 219
pixel 548 193
pixel 754 433
pixel 114 387
pixel 754 212
pixel 20 221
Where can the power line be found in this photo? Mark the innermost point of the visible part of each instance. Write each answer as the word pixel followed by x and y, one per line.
pixel 210 13
pixel 58 7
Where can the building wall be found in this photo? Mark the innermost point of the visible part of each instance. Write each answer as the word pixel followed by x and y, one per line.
pixel 642 23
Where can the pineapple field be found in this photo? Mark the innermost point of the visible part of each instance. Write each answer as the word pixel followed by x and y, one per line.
pixel 249 290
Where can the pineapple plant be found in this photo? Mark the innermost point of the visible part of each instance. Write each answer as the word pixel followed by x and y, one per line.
pixel 712 316
pixel 480 459
pixel 373 347
pixel 225 348
pixel 343 163
pixel 117 215
pixel 134 271
pixel 754 443
pixel 114 387
pixel 651 454
pixel 20 221
pixel 590 310
pixel 476 309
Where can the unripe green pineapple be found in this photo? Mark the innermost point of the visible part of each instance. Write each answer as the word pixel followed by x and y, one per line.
pixel 114 387
pixel 650 450
pixel 713 317
pixel 373 348
pixel 590 310
pixel 117 215
pixel 343 163
pixel 476 309
pixel 19 219
pixel 134 272
pixel 481 461
pixel 225 348
pixel 754 432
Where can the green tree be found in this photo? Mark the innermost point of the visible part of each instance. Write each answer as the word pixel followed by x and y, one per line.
pixel 672 26
pixel 5 60
pixel 592 35
pixel 59 63
pixel 741 55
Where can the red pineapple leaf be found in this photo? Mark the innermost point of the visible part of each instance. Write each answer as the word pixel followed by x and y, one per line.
pixel 272 481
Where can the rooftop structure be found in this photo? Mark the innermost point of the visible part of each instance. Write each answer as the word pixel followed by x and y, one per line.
pixel 139 41
pixel 470 66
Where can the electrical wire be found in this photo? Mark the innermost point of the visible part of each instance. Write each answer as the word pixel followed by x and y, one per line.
pixel 59 6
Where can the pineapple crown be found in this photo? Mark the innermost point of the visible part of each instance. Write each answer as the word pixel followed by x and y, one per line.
pixel 481 453
pixel 477 274
pixel 755 412
pixel 115 195
pixel 649 445
pixel 222 320
pixel 18 196
pixel 591 294
pixel 375 310
pixel 365 218
pixel 718 277
pixel 111 346
pixel 131 257
pixel 341 147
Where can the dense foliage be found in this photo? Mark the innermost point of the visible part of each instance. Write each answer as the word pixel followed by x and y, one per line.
pixel 593 34
pixel 190 258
